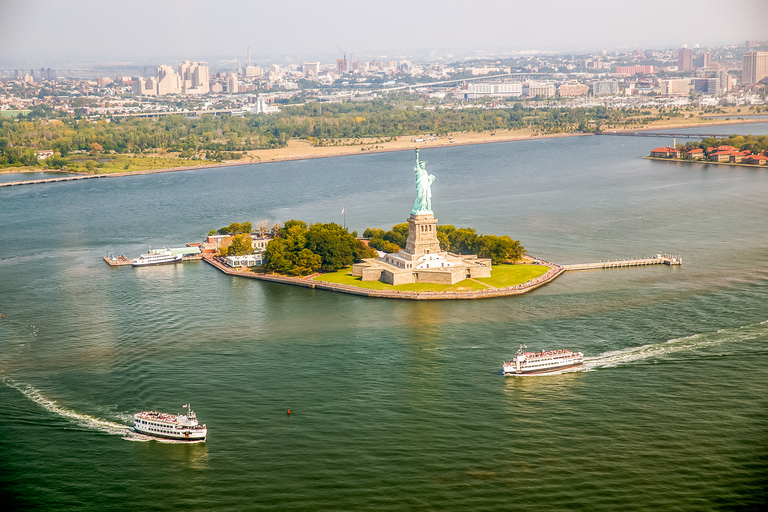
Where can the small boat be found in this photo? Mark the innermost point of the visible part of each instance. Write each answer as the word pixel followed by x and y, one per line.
pixel 546 361
pixel 158 257
pixel 181 427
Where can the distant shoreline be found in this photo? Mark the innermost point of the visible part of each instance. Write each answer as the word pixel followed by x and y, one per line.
pixel 301 150
pixel 697 161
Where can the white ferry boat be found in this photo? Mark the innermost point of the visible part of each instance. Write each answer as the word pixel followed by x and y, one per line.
pixel 181 427
pixel 528 363
pixel 157 258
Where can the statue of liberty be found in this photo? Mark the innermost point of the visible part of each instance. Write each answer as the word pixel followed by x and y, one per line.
pixel 423 203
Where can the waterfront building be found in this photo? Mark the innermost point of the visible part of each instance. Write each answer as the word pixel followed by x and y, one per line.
pixel 605 87
pixel 168 81
pixel 754 67
pixel 685 59
pixel 666 152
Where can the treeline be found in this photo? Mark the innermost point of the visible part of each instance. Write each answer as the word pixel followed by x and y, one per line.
pixel 299 249
pixel 452 239
pixel 316 122
pixel 754 143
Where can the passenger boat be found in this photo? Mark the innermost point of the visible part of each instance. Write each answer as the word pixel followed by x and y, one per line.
pixel 157 258
pixel 181 427
pixel 529 363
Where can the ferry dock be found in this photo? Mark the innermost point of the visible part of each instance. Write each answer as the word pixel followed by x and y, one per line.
pixel 190 253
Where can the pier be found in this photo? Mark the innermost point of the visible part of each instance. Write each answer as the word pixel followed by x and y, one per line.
pixel 657 259
pixel 667 135
pixel 117 260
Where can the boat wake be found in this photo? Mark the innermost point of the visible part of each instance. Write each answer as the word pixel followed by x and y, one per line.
pixel 83 420
pixel 660 350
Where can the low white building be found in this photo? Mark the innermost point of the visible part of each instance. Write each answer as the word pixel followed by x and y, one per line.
pixel 249 260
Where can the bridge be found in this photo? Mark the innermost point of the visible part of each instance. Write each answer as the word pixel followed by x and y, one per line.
pixel 656 259
pixel 667 135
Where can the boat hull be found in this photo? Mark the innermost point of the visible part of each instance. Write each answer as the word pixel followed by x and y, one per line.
pixel 152 263
pixel 192 438
pixel 533 371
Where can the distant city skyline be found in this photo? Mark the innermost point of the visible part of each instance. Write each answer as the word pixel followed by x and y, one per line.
pixel 194 29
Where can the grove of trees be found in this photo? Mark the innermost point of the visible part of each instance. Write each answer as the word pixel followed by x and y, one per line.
pixel 298 249
pixel 452 239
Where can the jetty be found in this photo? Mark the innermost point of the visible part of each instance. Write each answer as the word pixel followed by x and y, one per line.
pixel 667 135
pixel 657 259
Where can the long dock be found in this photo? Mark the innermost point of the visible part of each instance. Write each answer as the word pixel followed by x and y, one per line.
pixel 666 135
pixel 658 259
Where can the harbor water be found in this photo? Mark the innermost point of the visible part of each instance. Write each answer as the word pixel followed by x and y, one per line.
pixel 395 405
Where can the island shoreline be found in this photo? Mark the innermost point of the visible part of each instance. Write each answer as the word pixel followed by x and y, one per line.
pixel 348 151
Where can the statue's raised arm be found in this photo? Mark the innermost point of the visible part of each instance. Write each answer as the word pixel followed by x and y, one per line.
pixel 423 203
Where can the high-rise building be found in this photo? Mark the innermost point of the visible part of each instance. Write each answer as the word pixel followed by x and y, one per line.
pixel 604 87
pixel 685 59
pixel 311 69
pixel 232 86
pixel 195 78
pixel 341 66
pixel 755 67
pixel 168 82
pixel 144 86
pixel 675 86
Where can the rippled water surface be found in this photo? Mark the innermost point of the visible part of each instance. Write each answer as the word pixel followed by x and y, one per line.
pixel 395 405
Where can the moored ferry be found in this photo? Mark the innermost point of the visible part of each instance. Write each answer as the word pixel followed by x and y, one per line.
pixel 157 258
pixel 530 363
pixel 181 427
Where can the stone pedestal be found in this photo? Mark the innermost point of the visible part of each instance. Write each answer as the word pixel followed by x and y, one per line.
pixel 422 235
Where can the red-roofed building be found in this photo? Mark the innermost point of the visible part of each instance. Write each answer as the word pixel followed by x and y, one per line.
pixel 738 156
pixel 721 148
pixel 694 153
pixel 721 156
pixel 755 160
pixel 666 153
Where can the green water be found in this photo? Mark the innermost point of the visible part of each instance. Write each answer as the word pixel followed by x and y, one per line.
pixel 396 405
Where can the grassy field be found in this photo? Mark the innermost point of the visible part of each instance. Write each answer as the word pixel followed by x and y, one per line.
pixel 501 276
pixel 124 163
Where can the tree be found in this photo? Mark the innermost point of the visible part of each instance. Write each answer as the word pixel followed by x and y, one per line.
pixel 275 257
pixel 241 245
pixel 305 262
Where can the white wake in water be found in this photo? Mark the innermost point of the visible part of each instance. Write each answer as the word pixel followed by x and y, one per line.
pixel 660 350
pixel 83 420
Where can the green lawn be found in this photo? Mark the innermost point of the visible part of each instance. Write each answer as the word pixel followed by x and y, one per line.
pixel 502 276
pixel 510 275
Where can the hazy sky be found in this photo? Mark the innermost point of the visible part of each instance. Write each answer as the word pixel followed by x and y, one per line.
pixel 109 30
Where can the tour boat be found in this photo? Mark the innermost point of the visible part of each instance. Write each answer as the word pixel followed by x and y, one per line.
pixel 181 427
pixel 157 258
pixel 528 363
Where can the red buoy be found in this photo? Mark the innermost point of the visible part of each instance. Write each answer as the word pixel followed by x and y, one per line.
pixel 289 411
